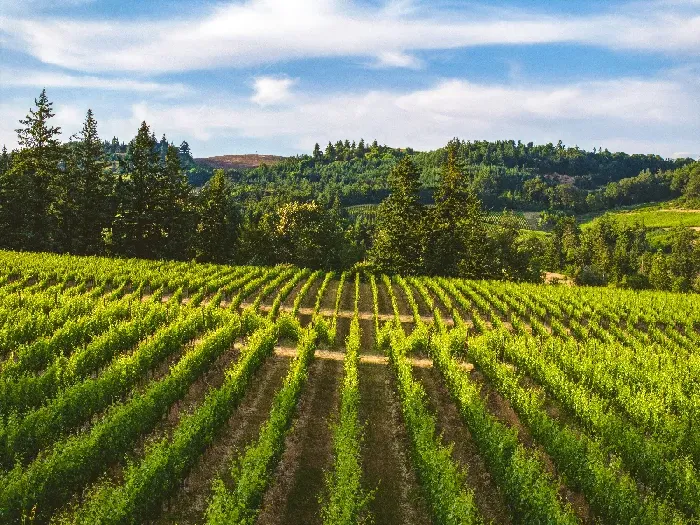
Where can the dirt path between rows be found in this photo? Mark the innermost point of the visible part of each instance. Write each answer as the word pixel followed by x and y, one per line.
pixel 298 483
pixel 489 500
pixel 189 504
pixel 501 408
pixel 386 464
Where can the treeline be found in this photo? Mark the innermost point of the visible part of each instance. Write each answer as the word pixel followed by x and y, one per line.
pixel 450 238
pixel 501 174
pixel 612 253
pixel 70 197
pixel 74 197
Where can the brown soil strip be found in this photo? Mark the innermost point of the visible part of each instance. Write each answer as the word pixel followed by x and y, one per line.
pixel 501 408
pixel 309 300
pixel 212 379
pixel 402 302
pixel 423 307
pixel 490 502
pixel 386 465
pixel 308 454
pixel 189 504
pixel 383 301
pixel 367 337
pixel 348 314
pixel 288 351
pixel 289 300
pixel 329 295
pixel 365 304
pixel 342 330
pixel 347 301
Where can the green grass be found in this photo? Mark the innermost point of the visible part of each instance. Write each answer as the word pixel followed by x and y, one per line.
pixel 654 217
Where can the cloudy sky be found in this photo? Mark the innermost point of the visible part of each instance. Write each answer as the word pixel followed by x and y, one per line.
pixel 276 76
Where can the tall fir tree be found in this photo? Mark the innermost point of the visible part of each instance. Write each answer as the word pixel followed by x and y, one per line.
pixel 31 180
pixel 136 229
pixel 176 214
pixel 4 161
pixel 455 236
pixel 397 240
pixel 93 185
pixel 218 221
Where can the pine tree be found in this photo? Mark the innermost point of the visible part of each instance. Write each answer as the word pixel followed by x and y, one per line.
pixel 330 152
pixel 94 185
pixel 175 213
pixel 136 229
pixel 218 221
pixel 35 171
pixel 455 237
pixel 317 152
pixel 397 240
pixel 361 148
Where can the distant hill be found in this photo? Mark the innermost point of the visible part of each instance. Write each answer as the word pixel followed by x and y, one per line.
pixel 239 161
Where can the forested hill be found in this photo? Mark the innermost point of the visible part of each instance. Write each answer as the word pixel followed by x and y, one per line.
pixel 150 199
pixel 505 174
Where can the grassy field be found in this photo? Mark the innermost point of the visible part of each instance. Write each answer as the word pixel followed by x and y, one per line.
pixel 653 217
pixel 160 392
pixel 525 220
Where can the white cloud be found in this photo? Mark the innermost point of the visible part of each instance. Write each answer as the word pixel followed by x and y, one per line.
pixel 397 59
pixel 40 79
pixel 272 90
pixel 629 115
pixel 265 31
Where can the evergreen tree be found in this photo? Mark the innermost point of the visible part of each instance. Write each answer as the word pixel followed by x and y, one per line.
pixel 86 190
pixel 361 149
pixel 34 173
pixel 218 221
pixel 175 214
pixel 4 161
pixel 185 150
pixel 397 240
pixel 317 152
pixel 455 236
pixel 163 148
pixel 137 230
pixel 330 152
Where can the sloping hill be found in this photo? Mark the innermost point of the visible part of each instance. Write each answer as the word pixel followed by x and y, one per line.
pixel 250 160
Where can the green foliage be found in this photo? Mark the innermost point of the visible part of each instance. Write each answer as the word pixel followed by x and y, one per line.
pixel 442 481
pixel 345 499
pixel 253 472
pixel 397 239
pixel 218 221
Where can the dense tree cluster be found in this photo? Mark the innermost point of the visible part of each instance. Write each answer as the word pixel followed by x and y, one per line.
pixel 612 253
pixel 70 197
pixel 501 174
pixel 451 237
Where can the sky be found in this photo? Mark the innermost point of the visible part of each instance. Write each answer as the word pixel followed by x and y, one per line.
pixel 277 76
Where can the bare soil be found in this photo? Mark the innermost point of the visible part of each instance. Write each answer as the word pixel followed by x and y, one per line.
pixel 189 504
pixel 289 300
pixel 501 408
pixel 386 465
pixel 309 300
pixel 294 496
pixel 488 498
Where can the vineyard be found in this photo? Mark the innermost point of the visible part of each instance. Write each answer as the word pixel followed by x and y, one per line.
pixel 138 391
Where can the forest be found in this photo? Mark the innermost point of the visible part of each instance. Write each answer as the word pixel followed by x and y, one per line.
pixel 148 198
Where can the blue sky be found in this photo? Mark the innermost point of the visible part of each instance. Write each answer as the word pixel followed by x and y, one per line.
pixel 276 76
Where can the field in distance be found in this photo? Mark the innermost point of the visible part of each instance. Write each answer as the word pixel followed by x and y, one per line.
pixel 137 391
pixel 655 217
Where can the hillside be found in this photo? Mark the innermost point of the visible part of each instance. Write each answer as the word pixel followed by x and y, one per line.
pixel 468 395
pixel 248 160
